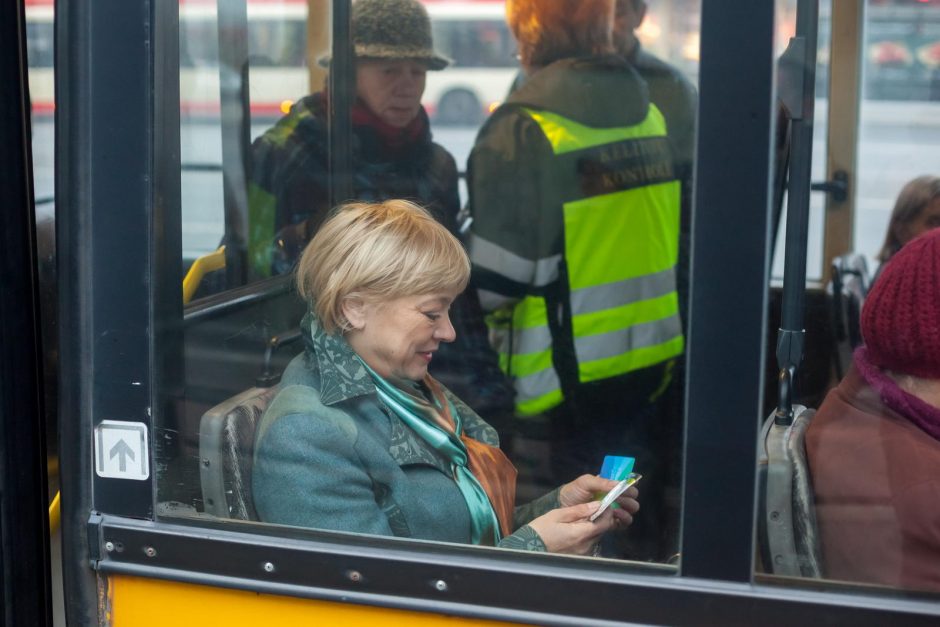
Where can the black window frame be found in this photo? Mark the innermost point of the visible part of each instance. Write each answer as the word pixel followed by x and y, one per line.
pixel 118 166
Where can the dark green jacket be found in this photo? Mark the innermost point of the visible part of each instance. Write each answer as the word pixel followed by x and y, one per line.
pixel 330 455
pixel 677 99
pixel 506 174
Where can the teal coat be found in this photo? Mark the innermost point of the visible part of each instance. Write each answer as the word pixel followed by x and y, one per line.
pixel 330 455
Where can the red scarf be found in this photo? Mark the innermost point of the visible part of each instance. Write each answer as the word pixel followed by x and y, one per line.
pixel 393 137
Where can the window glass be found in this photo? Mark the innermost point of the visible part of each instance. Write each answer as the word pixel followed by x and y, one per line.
pixel 200 131
pixel 40 62
pixel 786 28
pixel 899 129
pixel 564 357
pixel 842 488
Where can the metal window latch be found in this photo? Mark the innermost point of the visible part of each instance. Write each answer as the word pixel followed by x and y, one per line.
pixel 838 187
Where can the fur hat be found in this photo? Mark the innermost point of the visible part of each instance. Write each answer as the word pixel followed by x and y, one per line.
pixel 393 29
pixel 901 316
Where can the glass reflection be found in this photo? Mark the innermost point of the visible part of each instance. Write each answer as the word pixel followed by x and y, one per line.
pixel 450 68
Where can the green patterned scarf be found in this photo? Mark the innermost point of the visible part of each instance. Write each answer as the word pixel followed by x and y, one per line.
pixel 424 418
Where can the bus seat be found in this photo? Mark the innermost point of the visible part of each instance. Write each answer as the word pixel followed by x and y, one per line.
pixel 226 449
pixel 850 283
pixel 787 531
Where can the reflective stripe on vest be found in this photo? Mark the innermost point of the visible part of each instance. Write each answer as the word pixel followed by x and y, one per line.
pixel 624 315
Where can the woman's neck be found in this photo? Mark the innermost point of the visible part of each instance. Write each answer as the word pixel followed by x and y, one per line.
pixel 927 390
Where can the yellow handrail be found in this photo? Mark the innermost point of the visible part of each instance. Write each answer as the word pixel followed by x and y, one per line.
pixel 55 514
pixel 200 268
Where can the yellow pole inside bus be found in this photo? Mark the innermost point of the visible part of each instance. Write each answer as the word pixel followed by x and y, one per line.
pixel 318 41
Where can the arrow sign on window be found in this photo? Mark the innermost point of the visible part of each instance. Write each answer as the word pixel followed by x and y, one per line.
pixel 121 450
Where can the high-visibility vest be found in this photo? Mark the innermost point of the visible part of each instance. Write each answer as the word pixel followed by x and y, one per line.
pixel 613 307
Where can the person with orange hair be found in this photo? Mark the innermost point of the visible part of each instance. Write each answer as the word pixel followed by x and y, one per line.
pixel 575 204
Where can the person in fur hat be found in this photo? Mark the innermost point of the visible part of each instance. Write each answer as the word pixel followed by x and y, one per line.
pixel 393 155
pixel 874 445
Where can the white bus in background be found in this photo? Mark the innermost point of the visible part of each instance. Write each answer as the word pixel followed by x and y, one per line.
pixel 472 33
pixel 475 36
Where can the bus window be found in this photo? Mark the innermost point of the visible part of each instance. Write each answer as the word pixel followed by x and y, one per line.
pixel 270 42
pixel 200 147
pixel 898 114
pixel 474 43
pixel 786 25
pixel 475 36
pixel 841 483
pixel 613 401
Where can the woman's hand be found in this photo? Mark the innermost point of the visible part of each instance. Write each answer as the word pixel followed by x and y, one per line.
pixel 584 488
pixel 568 530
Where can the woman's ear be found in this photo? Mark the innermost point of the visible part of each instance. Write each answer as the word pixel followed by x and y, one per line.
pixel 354 310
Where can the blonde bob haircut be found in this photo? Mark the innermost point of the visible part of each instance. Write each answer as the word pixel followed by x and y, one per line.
pixel 549 30
pixel 378 252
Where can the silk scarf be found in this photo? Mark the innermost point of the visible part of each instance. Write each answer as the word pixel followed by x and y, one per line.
pixel 439 424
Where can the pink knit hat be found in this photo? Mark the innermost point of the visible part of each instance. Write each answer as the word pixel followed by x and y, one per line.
pixel 901 316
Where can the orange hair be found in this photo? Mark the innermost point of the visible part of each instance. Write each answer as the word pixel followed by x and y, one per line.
pixel 549 30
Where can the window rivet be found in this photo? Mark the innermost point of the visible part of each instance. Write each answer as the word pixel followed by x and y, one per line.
pixel 268 567
pixel 354 576
pixel 440 585
pixel 149 551
pixel 109 546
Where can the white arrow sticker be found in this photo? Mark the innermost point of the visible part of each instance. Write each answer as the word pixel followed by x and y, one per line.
pixel 121 450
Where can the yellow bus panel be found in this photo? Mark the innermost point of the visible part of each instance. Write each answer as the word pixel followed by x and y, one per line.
pixel 140 602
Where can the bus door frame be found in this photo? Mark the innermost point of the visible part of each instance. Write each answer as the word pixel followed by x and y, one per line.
pixel 112 160
pixel 25 585
pixel 845 94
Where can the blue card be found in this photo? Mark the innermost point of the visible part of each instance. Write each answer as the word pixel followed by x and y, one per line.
pixel 616 467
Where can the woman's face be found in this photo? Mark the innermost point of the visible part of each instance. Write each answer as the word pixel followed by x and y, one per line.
pixel 398 338
pixel 392 89
pixel 926 220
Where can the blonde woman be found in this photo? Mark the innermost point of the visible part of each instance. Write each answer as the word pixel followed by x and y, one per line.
pixel 361 438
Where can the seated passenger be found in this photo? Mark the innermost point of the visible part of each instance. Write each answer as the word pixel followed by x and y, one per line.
pixel 916 211
pixel 361 438
pixel 874 446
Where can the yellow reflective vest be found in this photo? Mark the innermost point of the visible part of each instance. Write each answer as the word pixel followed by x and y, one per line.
pixel 607 304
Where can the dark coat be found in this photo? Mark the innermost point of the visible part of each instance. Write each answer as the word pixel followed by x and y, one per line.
pixel 876 476
pixel 289 189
